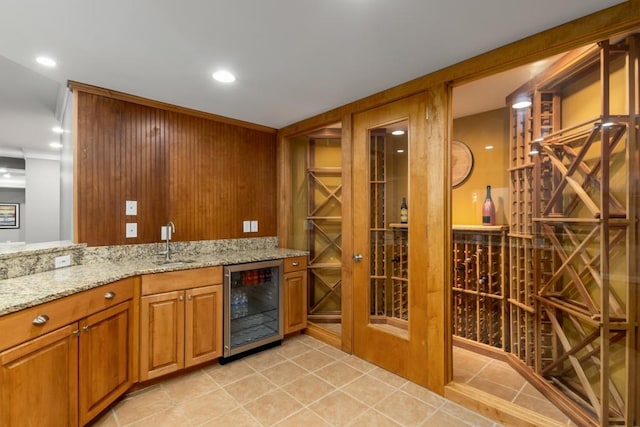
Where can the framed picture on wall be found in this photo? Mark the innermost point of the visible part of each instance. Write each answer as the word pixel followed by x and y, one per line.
pixel 9 215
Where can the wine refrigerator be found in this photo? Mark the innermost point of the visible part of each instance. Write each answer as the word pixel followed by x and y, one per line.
pixel 253 302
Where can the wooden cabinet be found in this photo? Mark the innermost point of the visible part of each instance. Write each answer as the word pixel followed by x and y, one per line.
pixel 295 294
pixel 39 381
pixel 180 320
pixel 105 358
pixel 67 375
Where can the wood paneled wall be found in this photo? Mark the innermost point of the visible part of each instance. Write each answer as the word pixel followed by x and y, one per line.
pixel 207 176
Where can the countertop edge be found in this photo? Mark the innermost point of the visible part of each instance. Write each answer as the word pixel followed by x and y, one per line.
pixel 33 290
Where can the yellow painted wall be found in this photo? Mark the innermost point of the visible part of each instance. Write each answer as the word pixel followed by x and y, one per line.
pixel 489 166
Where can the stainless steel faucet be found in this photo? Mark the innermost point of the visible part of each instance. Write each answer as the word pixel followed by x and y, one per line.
pixel 171 228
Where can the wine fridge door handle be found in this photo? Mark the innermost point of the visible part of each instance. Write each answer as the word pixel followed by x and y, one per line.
pixel 357 258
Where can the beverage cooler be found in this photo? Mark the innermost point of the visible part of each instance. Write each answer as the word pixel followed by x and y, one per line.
pixel 253 303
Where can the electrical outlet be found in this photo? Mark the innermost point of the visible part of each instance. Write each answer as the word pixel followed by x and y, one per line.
pixel 246 226
pixel 131 207
pixel 131 230
pixel 254 226
pixel 62 261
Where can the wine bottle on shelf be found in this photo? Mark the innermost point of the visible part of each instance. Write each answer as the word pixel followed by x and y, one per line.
pixel 488 209
pixel 404 211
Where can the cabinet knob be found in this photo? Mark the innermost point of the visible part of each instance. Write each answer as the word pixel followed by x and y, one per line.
pixel 180 298
pixel 76 333
pixel 295 263
pixel 357 258
pixel 110 295
pixel 40 320
pixel 86 328
pixel 189 297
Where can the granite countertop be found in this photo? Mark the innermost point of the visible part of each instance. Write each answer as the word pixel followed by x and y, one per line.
pixel 27 291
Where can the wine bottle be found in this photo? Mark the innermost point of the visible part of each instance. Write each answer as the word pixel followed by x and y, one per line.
pixel 404 211
pixel 488 209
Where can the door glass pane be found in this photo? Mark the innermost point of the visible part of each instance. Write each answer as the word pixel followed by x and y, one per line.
pixel 388 224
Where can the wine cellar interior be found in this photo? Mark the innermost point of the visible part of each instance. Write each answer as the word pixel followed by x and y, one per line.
pixel 551 288
pixel 554 288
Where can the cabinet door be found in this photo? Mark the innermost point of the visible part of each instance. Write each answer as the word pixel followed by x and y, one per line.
pixel 39 381
pixel 295 301
pixel 105 359
pixel 161 334
pixel 203 332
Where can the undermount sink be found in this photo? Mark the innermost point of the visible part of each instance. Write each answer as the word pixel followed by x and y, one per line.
pixel 173 263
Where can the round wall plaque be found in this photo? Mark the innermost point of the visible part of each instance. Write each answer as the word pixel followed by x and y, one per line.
pixel 461 163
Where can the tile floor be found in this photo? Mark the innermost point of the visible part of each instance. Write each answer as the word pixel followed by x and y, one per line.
pixel 499 379
pixel 304 382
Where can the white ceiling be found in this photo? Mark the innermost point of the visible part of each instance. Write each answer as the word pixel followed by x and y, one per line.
pixel 292 58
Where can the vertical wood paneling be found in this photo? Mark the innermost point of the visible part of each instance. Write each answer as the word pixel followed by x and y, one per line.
pixel 205 176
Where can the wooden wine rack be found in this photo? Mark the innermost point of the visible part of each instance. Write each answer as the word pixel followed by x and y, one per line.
pixel 479 284
pixel 324 234
pixel 399 272
pixel 573 242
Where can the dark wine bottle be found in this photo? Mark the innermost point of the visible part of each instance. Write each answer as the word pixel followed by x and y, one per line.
pixel 404 211
pixel 488 209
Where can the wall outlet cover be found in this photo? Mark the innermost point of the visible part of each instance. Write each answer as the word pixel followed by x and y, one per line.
pixel 254 226
pixel 246 226
pixel 131 207
pixel 62 261
pixel 131 230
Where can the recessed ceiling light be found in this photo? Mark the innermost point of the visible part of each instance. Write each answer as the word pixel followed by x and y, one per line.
pixel 397 132
pixel 224 76
pixel 55 145
pixel 46 61
pixel 57 129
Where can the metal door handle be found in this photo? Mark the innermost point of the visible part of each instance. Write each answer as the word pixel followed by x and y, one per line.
pixel 357 257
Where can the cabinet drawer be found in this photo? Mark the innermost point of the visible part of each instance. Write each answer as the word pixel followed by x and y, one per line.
pixel 26 324
pixel 295 264
pixel 178 280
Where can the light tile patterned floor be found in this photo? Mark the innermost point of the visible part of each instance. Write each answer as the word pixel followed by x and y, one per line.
pixel 499 379
pixel 304 382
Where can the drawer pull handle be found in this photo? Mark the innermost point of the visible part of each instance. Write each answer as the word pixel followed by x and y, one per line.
pixel 110 295
pixel 295 263
pixel 40 320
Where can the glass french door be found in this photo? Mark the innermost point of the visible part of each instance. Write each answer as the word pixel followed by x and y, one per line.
pixel 388 286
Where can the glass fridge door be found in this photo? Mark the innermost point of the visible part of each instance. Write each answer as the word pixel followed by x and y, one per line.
pixel 253 301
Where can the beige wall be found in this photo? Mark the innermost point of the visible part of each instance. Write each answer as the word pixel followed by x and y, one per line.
pixel 489 166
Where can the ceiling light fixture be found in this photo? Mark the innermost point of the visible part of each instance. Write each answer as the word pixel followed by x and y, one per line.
pixel 46 61
pixel 224 76
pixel 521 101
pixel 398 132
pixel 55 145
pixel 57 129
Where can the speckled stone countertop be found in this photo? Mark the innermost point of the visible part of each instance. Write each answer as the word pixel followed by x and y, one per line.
pixel 27 291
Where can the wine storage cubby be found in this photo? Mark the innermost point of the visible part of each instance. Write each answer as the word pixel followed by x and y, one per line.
pixel 324 228
pixel 480 262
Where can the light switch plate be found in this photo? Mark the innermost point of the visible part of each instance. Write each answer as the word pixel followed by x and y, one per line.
pixel 254 226
pixel 131 207
pixel 62 261
pixel 131 230
pixel 246 226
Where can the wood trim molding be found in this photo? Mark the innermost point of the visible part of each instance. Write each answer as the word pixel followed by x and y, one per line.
pixel 588 29
pixel 121 96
